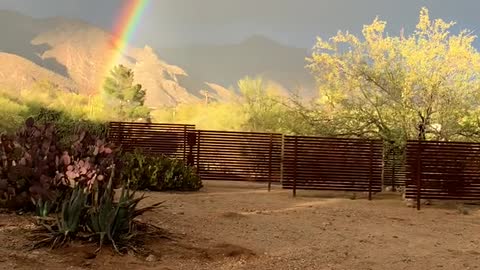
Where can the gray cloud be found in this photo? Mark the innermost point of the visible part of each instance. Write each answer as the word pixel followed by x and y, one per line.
pixel 296 22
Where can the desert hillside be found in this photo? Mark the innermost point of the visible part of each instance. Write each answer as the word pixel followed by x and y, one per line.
pixel 74 54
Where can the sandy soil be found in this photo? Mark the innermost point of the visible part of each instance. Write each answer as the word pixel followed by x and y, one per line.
pixel 242 226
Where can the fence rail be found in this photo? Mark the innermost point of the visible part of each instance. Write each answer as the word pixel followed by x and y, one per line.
pixel 443 171
pixel 332 164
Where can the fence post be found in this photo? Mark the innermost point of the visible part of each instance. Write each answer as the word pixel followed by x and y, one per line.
pixel 192 141
pixel 270 163
pixel 393 168
pixel 370 172
pixel 295 167
pixel 184 143
pixel 282 154
pixel 384 157
pixel 419 174
pixel 198 151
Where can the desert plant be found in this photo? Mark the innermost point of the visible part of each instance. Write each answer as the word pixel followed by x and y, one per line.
pixel 115 222
pixel 35 165
pixel 158 173
pixel 68 222
pixel 43 208
pixel 99 219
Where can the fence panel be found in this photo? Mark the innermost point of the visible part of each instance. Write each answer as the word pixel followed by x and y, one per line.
pixel 332 164
pixel 238 156
pixel 443 171
pixel 159 139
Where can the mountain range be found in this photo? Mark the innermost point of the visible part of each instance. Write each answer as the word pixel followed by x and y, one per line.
pixel 72 54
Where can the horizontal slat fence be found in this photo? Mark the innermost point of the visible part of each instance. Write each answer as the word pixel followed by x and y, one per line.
pixel 159 139
pixel 238 156
pixel 332 164
pixel 443 171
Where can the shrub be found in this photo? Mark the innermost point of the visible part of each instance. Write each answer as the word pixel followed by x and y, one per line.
pixel 36 167
pixel 69 180
pixel 158 173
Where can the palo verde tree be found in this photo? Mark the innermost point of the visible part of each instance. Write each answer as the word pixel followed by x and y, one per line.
pixel 125 98
pixel 263 105
pixel 399 87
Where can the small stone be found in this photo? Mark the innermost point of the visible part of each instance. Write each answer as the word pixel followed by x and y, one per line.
pixel 89 255
pixel 151 258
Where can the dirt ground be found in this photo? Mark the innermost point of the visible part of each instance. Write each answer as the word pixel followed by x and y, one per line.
pixel 242 226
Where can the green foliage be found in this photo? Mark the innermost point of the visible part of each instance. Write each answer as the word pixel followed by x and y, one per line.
pixel 43 208
pixel 262 105
pixel 94 215
pixel 123 97
pixel 114 221
pixel 386 87
pixel 11 114
pixel 214 116
pixel 73 209
pixel 159 173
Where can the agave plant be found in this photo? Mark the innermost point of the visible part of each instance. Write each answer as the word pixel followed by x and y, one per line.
pixel 114 221
pixel 68 223
pixel 42 207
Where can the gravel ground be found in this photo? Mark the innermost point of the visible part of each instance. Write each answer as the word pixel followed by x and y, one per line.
pixel 242 226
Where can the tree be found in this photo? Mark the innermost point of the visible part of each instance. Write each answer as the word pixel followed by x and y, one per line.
pixel 262 103
pixel 124 98
pixel 398 88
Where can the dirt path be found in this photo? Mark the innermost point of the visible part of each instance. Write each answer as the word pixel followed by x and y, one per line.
pixel 240 226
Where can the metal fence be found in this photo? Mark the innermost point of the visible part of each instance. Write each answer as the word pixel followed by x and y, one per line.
pixel 431 170
pixel 443 171
pixel 160 139
pixel 332 164
pixel 238 156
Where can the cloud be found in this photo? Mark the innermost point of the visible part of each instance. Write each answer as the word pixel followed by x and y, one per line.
pixel 169 22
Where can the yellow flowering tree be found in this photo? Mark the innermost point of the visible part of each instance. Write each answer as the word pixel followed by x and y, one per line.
pixel 398 87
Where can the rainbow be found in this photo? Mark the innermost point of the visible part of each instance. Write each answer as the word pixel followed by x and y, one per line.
pixel 124 28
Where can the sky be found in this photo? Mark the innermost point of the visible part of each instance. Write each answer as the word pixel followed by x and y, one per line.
pixel 176 23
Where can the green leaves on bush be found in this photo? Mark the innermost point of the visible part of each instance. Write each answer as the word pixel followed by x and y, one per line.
pixel 87 214
pixel 158 173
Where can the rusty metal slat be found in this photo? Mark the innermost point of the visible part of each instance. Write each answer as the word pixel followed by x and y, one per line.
pixel 335 139
pixel 349 189
pixel 334 174
pixel 325 152
pixel 238 133
pixel 350 165
pixel 333 184
pixel 323 146
pixel 258 151
pixel 148 124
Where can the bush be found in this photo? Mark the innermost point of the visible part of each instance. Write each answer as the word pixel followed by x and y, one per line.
pixel 36 167
pixel 158 173
pixel 69 180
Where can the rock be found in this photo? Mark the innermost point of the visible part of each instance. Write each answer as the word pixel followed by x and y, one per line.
pixel 89 255
pixel 151 258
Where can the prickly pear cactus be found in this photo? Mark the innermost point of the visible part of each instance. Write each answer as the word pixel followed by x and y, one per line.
pixel 35 167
